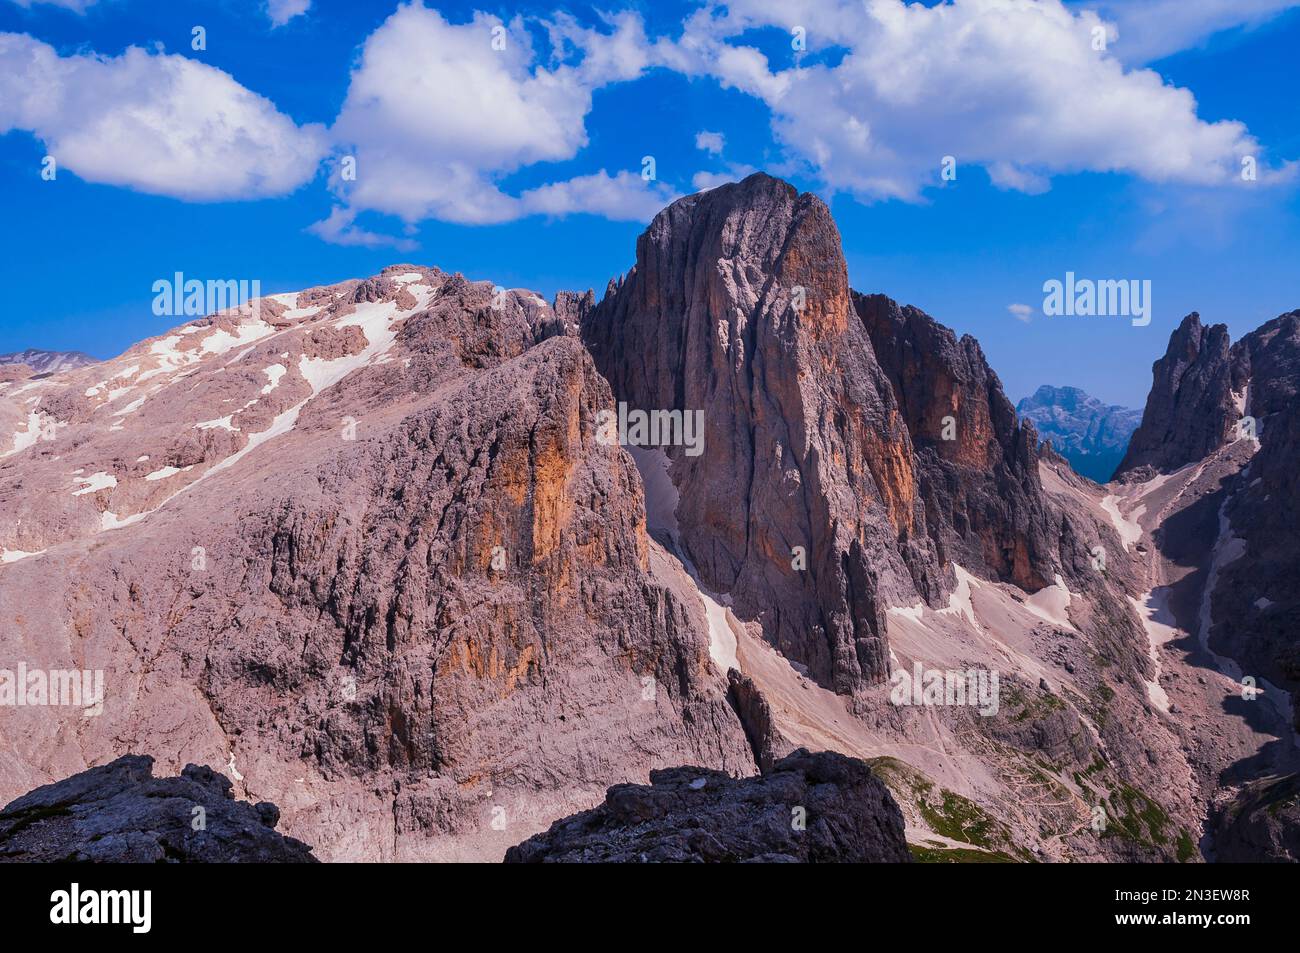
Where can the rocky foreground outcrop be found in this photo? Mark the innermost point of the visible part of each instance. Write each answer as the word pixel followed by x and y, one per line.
pixel 121 813
pixel 809 808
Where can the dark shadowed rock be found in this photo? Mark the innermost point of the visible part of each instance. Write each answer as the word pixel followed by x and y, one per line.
pixel 1191 410
pixel 1257 602
pixel 694 815
pixel 977 466
pixel 121 813
pixel 1262 824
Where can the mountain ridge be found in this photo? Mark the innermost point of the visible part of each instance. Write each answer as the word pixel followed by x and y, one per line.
pixel 368 547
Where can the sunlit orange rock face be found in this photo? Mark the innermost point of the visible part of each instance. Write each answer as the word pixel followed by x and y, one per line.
pixel 739 306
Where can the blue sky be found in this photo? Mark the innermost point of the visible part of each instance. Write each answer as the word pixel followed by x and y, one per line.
pixel 523 165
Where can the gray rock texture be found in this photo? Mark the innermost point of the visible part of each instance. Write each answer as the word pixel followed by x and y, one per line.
pixel 1257 604
pixel 420 616
pixel 48 362
pixel 694 815
pixel 739 307
pixel 121 813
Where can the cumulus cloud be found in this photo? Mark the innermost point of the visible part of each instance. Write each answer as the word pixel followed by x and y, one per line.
pixel 710 142
pixel 1011 86
pixel 438 113
pixel 1021 312
pixel 1156 28
pixel 157 123
pixel 282 11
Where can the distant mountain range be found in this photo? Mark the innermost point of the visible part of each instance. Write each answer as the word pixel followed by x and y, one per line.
pixel 1091 435
pixel 48 362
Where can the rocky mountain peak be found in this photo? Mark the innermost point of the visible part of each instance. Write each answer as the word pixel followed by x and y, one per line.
pixel 738 311
pixel 1194 402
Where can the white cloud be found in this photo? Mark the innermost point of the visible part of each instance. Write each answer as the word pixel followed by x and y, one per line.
pixel 158 123
pixel 622 197
pixel 282 11
pixel 1012 86
pixel 77 6
pixel 437 113
pixel 711 142
pixel 340 228
pixel 704 181
pixel 1153 29
pixel 1021 312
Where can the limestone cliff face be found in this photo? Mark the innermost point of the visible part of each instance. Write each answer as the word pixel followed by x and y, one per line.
pixel 422 618
pixel 977 466
pixel 739 307
pixel 1191 410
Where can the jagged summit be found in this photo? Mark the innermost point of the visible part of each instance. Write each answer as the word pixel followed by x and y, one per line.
pixel 1193 405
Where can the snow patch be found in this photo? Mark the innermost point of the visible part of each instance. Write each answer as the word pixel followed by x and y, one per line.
pixel 274 372
pixel 220 341
pixel 13 555
pixel 915 613
pixel 1051 603
pixel 1128 528
pixel 373 317
pixel 94 482
pixel 1153 609
pixel 959 603
pixel 224 423
pixel 22 439
pixel 131 407
pixel 661 499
